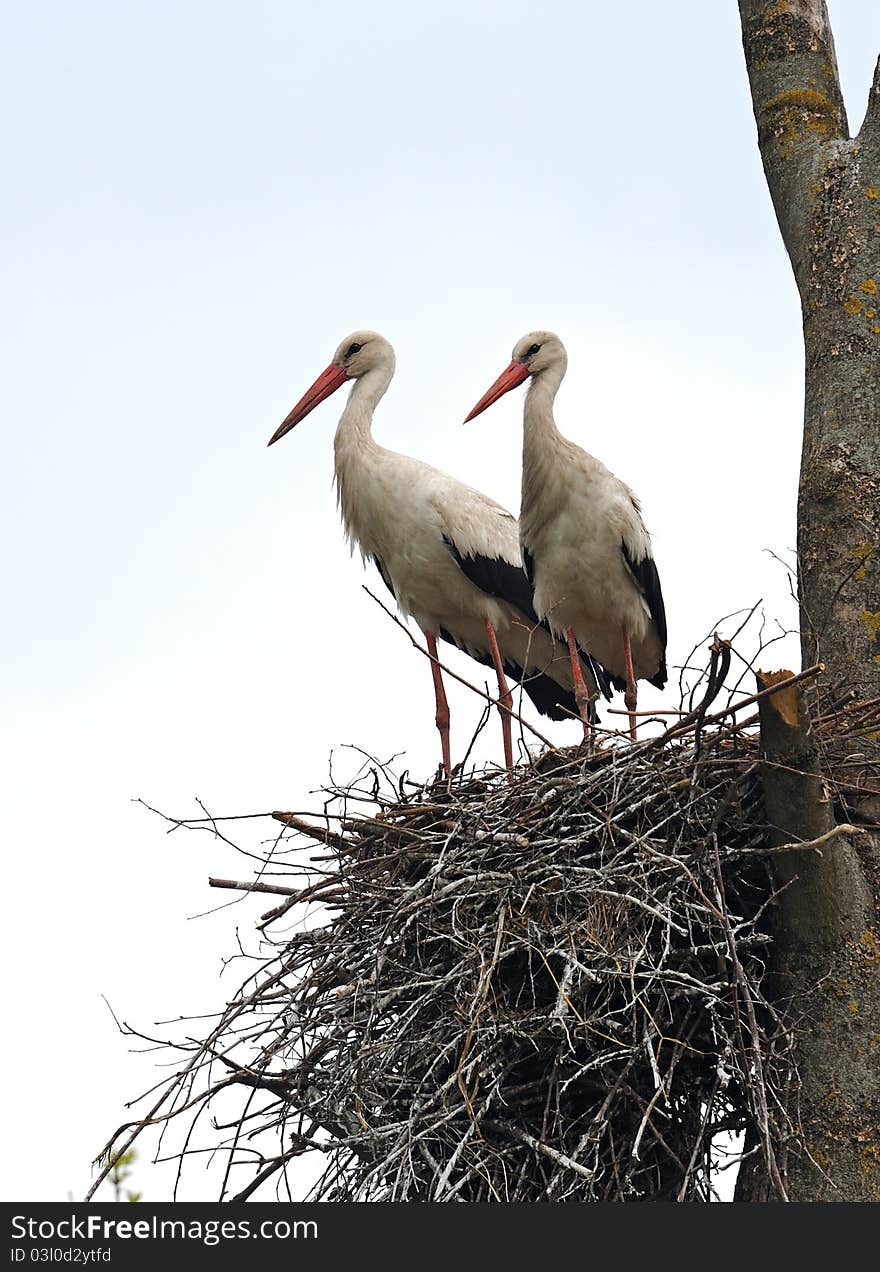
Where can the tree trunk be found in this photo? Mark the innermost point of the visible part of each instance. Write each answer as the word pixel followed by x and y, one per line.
pixel 825 188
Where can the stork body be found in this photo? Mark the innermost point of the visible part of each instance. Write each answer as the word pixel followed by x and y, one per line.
pixel 449 554
pixel 583 540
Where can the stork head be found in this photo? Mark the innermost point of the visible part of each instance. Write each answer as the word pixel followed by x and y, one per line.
pixel 358 354
pixel 361 352
pixel 537 354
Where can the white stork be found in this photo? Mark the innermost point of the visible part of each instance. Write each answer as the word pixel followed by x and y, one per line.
pixel 449 555
pixel 584 544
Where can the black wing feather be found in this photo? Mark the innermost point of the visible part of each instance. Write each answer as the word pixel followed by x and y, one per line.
pixel 497 577
pixel 645 574
pixel 605 679
pixel 528 564
pixel 377 561
pixel 512 583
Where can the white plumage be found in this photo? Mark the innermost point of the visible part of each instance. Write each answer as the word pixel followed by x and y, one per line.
pixel 583 540
pixel 450 555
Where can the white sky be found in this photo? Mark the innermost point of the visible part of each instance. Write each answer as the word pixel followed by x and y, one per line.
pixel 200 201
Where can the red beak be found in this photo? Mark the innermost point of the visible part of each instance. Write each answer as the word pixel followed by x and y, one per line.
pixel 327 382
pixel 507 380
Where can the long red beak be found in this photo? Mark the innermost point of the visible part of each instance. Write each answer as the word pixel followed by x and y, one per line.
pixel 507 380
pixel 327 382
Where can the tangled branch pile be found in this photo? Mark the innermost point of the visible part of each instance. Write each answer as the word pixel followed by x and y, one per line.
pixel 551 988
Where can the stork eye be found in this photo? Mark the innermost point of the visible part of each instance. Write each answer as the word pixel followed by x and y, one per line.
pixel 533 349
pixel 353 349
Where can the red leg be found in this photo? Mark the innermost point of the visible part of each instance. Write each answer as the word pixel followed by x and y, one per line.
pixel 505 701
pixel 630 697
pixel 441 719
pixel 581 696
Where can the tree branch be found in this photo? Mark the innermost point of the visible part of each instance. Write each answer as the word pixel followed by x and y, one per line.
pixel 798 105
pixel 872 116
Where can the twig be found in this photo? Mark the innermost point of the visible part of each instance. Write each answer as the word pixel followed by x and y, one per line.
pixel 254 885
pixel 816 845
pixel 481 693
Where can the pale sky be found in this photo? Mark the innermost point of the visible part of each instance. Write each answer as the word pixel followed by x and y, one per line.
pixel 200 201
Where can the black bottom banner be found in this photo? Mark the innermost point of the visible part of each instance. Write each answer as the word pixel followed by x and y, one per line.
pixel 275 1235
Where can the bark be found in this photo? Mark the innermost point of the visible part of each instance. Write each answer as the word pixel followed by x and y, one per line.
pixel 825 187
pixel 825 969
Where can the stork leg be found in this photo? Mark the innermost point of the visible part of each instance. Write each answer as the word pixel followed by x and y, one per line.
pixel 441 719
pixel 505 701
pixel 581 694
pixel 630 697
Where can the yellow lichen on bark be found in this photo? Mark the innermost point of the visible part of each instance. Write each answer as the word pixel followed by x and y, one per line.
pixel 862 552
pixel 798 111
pixel 871 622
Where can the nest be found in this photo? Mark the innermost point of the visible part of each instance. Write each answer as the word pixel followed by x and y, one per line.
pixel 550 988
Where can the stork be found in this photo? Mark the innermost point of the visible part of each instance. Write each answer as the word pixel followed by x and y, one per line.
pixel 449 555
pixel 584 544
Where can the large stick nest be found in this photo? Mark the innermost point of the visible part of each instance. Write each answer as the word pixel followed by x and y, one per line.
pixel 550 988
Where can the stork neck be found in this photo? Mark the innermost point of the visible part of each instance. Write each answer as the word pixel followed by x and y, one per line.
pixel 353 433
pixel 356 455
pixel 539 427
